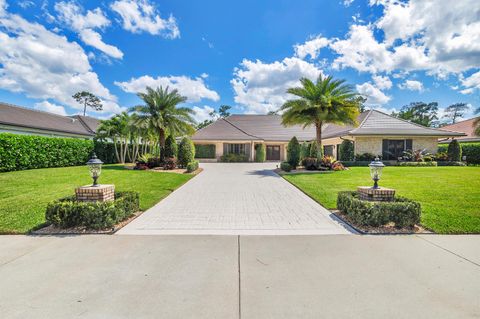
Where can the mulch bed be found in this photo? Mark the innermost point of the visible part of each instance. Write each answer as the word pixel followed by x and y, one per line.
pixel 382 230
pixel 52 230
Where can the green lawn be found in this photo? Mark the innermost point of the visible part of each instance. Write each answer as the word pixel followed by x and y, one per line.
pixel 450 196
pixel 25 194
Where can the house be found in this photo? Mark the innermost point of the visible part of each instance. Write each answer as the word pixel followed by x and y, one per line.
pixel 377 133
pixel 19 120
pixel 467 127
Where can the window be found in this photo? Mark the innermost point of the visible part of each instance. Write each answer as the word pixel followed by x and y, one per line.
pixel 328 150
pixel 235 149
pixel 393 149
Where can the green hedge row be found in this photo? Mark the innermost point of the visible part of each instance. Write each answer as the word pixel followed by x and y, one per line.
pixel 204 150
pixel 470 150
pixel 417 163
pixel 402 211
pixel 19 152
pixel 67 212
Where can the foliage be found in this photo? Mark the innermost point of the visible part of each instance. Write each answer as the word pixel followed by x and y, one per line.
pixel 171 148
pixel 223 110
pixel 285 166
pixel 449 163
pixel 419 113
pixel 105 151
pixel 205 150
pixel 145 158
pixel 160 113
pixel 337 166
pixel 88 99
pixel 310 163
pixel 304 151
pixel 365 157
pixel 260 153
pixel 186 152
pixel 433 187
pixel 67 212
pixel 401 211
pixel 417 155
pixel 418 163
pixel 325 101
pixel 454 151
pixel 293 152
pixel 455 111
pixel 169 163
pixel 19 152
pixel 327 161
pixel 470 150
pixel 316 150
pixel 346 151
pixel 192 166
pixel 233 158
pixel 442 156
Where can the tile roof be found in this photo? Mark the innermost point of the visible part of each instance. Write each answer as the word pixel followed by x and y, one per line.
pixel 270 128
pixel 466 127
pixel 90 123
pixel 23 117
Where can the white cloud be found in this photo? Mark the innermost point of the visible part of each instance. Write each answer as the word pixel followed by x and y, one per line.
pixel 26 4
pixel 373 94
pixel 347 3
pixel 471 83
pixel 202 113
pixel 46 65
pixel 382 82
pixel 3 7
pixel 194 89
pixel 311 47
pixel 142 16
pixel 50 107
pixel 261 87
pixel 411 85
pixel 84 24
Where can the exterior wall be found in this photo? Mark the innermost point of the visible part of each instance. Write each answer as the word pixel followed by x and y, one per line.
pixel 283 148
pixel 219 148
pixel 37 132
pixel 334 142
pixel 373 144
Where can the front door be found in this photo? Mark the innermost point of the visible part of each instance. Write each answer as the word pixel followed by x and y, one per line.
pixel 273 152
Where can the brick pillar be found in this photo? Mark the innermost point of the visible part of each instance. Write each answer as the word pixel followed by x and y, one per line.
pixel 100 193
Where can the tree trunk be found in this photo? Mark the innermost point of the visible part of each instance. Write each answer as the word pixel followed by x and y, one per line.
pixel 318 130
pixel 84 107
pixel 116 150
pixel 161 141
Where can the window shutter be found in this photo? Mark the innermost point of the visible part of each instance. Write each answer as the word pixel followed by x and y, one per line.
pixel 409 145
pixel 385 150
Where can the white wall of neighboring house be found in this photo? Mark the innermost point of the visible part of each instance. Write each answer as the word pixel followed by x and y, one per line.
pixel 32 131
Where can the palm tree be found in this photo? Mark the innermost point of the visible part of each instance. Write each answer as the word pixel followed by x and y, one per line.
pixel 325 101
pixel 161 113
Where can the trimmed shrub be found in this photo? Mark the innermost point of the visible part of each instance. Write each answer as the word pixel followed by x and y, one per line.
pixel 454 151
pixel 205 150
pixel 285 166
pixel 260 153
pixel 316 151
pixel 448 163
pixel 192 166
pixel 169 163
pixel 304 151
pixel 232 158
pixel 417 164
pixel 310 163
pixel 186 152
pixel 171 148
pixel 402 211
pixel 365 157
pixel 67 212
pixel 293 152
pixel 105 151
pixel 346 151
pixel 19 152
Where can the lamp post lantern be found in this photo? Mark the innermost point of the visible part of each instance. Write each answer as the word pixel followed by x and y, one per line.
pixel 95 167
pixel 376 168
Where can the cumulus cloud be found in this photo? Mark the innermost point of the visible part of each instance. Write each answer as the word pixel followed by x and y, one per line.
pixel 311 47
pixel 194 89
pixel 84 24
pixel 471 83
pixel 261 87
pixel 382 82
pixel 202 113
pixel 373 94
pixel 411 85
pixel 50 107
pixel 46 65
pixel 142 16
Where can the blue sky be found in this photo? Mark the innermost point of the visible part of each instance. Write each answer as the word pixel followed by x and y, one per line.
pixel 243 53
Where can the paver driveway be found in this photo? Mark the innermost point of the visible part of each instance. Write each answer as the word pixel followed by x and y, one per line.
pixel 236 199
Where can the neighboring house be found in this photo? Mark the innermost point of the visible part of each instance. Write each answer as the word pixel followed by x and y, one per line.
pixel 377 133
pixel 20 120
pixel 466 127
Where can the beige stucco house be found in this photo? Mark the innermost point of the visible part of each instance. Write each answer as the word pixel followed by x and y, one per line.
pixel 377 133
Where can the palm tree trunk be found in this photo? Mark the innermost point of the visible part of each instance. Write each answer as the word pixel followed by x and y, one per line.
pixel 116 150
pixel 318 130
pixel 161 141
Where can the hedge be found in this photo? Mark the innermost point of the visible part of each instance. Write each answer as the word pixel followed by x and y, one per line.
pixel 192 166
pixel 285 166
pixel 186 152
pixel 402 211
pixel 346 151
pixel 470 150
pixel 19 152
pixel 205 151
pixel 417 163
pixel 260 153
pixel 233 158
pixel 67 212
pixel 293 152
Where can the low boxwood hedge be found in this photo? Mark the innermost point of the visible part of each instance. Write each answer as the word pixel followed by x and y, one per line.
pixel 402 211
pixel 192 166
pixel 67 212
pixel 417 163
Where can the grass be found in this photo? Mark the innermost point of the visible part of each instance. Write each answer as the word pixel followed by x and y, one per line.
pixel 450 196
pixel 25 194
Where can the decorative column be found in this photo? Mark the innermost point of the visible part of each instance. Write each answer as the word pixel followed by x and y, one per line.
pixel 252 151
pixel 100 193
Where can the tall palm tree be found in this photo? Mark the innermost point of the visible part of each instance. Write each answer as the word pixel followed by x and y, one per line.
pixel 325 101
pixel 161 113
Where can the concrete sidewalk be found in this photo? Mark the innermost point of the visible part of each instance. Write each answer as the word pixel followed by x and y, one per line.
pixel 240 277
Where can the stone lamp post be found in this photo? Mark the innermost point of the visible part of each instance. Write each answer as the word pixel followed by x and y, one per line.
pixel 95 192
pixel 376 193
